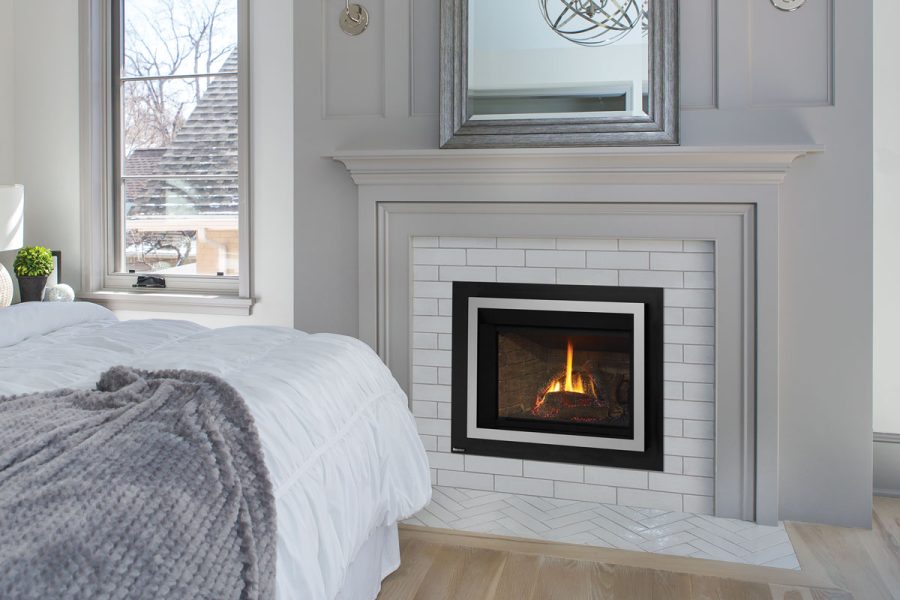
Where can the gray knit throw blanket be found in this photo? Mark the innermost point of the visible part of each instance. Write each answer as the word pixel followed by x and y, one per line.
pixel 150 486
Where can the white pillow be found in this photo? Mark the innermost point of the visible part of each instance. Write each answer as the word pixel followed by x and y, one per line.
pixel 29 319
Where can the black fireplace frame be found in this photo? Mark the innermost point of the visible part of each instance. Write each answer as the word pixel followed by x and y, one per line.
pixel 651 458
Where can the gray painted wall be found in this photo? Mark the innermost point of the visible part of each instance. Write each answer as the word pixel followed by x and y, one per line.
pixel 46 120
pixel 887 217
pixel 886 417
pixel 7 131
pixel 39 121
pixel 380 91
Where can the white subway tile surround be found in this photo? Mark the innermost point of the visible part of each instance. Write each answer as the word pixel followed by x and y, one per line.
pixel 544 491
pixel 690 349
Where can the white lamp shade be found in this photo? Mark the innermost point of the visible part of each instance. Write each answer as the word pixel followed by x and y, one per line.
pixel 12 217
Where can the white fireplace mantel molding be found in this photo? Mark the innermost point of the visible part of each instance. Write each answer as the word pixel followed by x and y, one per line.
pixel 457 192
pixel 664 165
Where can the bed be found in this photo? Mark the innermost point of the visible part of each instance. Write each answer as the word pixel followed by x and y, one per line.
pixel 340 445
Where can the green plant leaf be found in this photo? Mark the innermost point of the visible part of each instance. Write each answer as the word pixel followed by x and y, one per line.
pixel 33 261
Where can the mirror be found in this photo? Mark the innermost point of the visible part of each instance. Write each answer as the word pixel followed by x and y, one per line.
pixel 558 73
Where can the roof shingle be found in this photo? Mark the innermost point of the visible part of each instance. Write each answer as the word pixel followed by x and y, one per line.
pixel 206 145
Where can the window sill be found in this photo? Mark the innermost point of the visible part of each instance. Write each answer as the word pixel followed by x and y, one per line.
pixel 171 301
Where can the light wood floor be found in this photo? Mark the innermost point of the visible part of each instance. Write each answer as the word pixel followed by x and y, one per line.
pixel 837 564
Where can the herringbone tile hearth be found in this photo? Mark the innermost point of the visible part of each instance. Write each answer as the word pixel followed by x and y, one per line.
pixel 608 526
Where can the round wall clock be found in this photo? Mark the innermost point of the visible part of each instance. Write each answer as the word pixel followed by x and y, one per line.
pixel 788 5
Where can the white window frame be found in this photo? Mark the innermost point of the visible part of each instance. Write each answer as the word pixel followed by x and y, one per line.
pixel 100 281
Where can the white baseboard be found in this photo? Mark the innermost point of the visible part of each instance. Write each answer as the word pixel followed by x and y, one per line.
pixel 887 438
pixel 887 464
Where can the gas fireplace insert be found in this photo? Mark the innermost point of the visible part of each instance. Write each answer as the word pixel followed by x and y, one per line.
pixel 563 373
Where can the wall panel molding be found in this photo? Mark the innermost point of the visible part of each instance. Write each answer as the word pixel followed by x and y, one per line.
pixel 424 58
pixel 353 68
pixel 699 47
pixel 792 55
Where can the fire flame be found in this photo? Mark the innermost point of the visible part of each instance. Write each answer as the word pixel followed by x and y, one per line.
pixel 572 394
pixel 572 381
pixel 577 385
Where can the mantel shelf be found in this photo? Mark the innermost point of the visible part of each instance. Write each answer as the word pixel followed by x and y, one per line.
pixel 645 165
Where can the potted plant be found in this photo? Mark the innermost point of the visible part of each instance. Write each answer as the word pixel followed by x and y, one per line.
pixel 33 265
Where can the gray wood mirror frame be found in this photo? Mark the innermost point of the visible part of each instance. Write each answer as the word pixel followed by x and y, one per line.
pixel 528 73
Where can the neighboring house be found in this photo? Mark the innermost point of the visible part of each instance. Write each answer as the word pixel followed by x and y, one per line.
pixel 184 216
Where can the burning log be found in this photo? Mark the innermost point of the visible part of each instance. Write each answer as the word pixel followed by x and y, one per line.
pixel 570 406
pixel 571 395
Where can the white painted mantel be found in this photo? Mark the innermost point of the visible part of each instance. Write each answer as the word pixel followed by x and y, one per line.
pixel 662 165
pixel 621 182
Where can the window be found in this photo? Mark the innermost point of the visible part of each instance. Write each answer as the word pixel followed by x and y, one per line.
pixel 177 189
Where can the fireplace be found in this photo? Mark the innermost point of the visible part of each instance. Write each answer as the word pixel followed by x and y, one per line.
pixel 558 372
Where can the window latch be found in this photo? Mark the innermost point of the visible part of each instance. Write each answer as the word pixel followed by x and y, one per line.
pixel 150 281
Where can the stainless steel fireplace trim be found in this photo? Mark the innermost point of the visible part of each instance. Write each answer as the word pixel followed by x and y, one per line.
pixel 636 309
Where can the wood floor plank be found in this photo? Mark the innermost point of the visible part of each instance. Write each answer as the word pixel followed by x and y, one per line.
pixel 667 584
pixel 829 594
pixel 563 579
pixel 478 576
pixel 887 510
pixel 417 558
pixel 780 592
pixel 795 595
pixel 718 588
pixel 850 566
pixel 883 542
pixel 518 577
pixel 609 582
pixel 628 580
pixel 603 586
pixel 445 569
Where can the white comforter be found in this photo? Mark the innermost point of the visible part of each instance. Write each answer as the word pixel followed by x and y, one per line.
pixel 338 438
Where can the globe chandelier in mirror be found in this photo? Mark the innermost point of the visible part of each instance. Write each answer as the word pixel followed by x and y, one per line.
pixel 595 22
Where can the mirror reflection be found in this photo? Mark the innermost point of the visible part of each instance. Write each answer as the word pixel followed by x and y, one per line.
pixel 557 58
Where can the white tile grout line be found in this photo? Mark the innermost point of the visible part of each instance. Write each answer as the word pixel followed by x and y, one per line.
pixel 609 526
